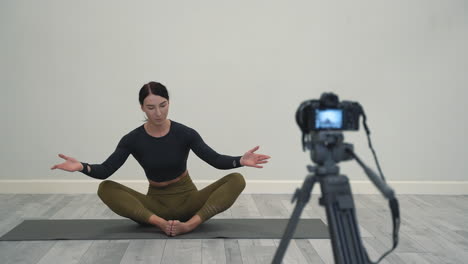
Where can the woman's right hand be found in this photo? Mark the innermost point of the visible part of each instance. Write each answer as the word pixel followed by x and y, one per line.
pixel 70 164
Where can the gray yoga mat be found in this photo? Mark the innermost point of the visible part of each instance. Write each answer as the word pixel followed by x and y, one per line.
pixel 107 229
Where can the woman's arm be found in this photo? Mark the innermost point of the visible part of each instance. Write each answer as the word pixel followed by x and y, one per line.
pixel 207 154
pixel 111 164
pixel 219 161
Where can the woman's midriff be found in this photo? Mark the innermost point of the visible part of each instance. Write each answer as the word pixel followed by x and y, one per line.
pixel 166 183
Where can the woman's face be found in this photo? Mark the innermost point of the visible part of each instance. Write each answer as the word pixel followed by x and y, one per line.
pixel 156 109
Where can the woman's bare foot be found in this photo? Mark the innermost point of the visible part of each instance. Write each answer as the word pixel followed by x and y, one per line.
pixel 163 224
pixel 179 228
pixel 166 227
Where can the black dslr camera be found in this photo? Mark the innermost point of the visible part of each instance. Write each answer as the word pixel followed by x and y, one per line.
pixel 328 114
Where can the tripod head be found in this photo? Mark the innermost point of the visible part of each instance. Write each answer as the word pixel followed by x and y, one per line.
pixel 327 149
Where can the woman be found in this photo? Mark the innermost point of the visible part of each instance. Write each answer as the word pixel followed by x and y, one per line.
pixel 161 146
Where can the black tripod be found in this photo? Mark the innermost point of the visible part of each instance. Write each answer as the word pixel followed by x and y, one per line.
pixel 327 149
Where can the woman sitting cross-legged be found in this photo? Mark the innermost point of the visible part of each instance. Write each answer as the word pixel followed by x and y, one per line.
pixel 161 146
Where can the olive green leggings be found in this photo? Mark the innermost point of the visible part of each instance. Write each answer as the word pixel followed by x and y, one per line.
pixel 178 201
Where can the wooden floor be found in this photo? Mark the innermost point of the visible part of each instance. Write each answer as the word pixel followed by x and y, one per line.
pixel 434 230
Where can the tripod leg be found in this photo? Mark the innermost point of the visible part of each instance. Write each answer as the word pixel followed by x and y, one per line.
pixel 344 232
pixel 302 196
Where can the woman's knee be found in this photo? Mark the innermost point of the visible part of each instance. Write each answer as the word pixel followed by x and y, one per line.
pixel 106 187
pixel 237 179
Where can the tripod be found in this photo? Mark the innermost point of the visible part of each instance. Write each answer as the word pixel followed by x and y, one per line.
pixel 327 149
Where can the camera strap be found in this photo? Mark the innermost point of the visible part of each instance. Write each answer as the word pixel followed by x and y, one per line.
pixel 393 202
pixel 387 193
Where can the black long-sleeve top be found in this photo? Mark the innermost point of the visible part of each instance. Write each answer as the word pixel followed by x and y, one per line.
pixel 162 158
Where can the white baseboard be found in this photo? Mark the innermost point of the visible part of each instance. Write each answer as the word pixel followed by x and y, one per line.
pixel 253 186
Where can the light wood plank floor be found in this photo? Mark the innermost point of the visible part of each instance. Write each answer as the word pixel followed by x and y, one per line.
pixel 434 230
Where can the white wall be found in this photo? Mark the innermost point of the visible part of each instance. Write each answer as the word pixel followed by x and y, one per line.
pixel 236 72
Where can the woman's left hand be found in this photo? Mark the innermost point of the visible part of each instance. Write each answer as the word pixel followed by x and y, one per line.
pixel 252 159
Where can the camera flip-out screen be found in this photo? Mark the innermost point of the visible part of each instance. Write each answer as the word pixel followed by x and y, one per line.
pixel 328 118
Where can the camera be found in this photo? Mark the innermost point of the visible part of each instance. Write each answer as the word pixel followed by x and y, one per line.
pixel 328 113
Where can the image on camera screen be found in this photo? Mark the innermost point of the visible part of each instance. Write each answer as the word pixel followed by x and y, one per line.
pixel 328 118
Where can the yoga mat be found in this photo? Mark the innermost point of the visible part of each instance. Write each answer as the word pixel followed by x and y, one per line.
pixel 108 229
